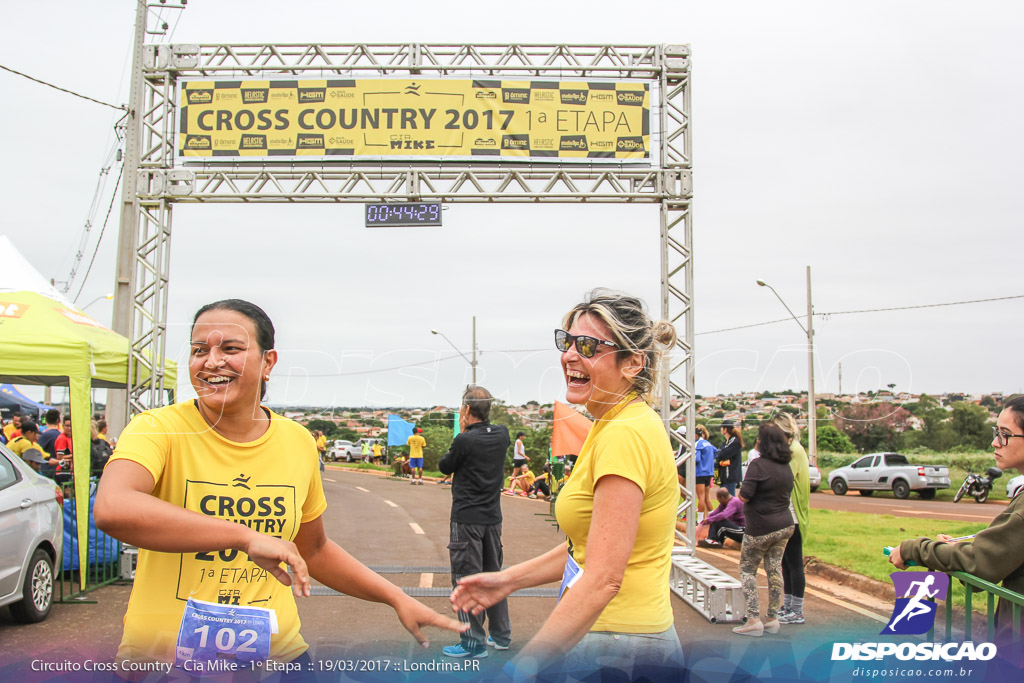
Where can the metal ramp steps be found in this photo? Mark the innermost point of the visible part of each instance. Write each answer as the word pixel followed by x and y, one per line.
pixel 709 590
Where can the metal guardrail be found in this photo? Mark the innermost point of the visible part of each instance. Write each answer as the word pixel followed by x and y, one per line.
pixel 992 591
pixel 103 558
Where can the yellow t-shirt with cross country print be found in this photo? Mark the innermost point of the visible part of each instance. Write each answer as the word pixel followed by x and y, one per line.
pixel 271 485
pixel 629 441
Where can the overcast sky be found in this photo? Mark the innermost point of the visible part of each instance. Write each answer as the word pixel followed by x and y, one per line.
pixel 878 142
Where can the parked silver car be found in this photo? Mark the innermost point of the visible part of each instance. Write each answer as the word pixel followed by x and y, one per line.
pixel 815 477
pixel 344 450
pixel 31 538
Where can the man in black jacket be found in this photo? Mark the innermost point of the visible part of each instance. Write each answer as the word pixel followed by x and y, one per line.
pixel 477 461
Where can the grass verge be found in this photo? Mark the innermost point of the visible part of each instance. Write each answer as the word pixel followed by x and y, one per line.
pixel 854 541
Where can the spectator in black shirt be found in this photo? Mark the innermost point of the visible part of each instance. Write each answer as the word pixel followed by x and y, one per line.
pixel 48 442
pixel 730 458
pixel 477 459
pixel 770 523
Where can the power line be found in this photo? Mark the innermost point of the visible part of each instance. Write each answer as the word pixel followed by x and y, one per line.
pixel 907 308
pixel 99 240
pixel 94 206
pixel 867 310
pixel 371 372
pixel 740 327
pixel 743 327
pixel 70 92
pixel 174 28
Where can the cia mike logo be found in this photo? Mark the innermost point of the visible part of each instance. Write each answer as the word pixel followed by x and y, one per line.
pixel 916 593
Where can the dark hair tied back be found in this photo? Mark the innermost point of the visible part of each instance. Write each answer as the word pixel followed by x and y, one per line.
pixel 260 320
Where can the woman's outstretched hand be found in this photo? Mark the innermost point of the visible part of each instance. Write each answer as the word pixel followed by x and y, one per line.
pixel 414 615
pixel 269 552
pixel 477 592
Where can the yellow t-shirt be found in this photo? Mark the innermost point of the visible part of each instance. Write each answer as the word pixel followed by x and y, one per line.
pixel 20 444
pixel 416 444
pixel 530 477
pixel 321 443
pixel 630 442
pixel 9 429
pixel 271 485
pixel 376 450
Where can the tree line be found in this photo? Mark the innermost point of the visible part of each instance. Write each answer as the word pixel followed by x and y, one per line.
pixel 438 433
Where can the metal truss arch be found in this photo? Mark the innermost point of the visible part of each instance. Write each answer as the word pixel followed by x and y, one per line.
pixel 163 179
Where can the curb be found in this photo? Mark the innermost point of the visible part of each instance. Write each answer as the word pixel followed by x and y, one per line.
pixel 1004 502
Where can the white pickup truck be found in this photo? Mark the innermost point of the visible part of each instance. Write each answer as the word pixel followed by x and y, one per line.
pixel 889 472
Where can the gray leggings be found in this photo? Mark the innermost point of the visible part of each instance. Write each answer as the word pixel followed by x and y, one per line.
pixel 768 548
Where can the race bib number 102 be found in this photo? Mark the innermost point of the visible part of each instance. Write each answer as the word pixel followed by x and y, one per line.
pixel 211 632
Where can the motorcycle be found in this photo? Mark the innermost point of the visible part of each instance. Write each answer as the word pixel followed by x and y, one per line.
pixel 978 485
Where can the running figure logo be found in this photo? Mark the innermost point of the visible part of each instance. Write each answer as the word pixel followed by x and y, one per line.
pixel 914 612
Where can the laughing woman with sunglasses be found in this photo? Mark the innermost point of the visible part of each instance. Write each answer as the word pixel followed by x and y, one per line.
pixel 618 508
pixel 996 553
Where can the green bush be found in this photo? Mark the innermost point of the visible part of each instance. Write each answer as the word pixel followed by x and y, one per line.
pixel 439 438
pixel 832 440
pixel 830 461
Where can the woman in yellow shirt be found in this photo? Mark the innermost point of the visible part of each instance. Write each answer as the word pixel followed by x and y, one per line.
pixel 618 508
pixel 220 494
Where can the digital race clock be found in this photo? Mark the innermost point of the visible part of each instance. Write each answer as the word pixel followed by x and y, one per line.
pixel 403 214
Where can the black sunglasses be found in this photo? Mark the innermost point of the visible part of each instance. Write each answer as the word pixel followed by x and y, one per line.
pixel 586 346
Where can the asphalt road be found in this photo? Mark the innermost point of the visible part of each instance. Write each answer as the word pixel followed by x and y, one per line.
pixel 388 523
pixel 884 503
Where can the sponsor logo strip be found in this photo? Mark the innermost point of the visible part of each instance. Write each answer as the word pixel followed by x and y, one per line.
pixel 409 118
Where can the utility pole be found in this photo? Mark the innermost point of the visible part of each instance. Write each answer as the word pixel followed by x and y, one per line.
pixel 812 410
pixel 474 350
pixel 812 414
pixel 124 279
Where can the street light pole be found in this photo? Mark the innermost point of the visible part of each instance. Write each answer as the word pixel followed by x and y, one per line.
pixel 99 298
pixel 812 412
pixel 812 407
pixel 472 363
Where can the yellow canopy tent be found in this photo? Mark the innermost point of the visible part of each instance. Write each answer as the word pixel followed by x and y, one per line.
pixel 45 340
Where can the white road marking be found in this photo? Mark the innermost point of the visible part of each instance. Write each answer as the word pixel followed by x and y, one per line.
pixel 360 488
pixel 426 580
pixel 390 503
pixel 330 480
pixel 417 529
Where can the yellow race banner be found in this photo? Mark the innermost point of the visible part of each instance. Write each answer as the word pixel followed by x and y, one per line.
pixel 477 120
